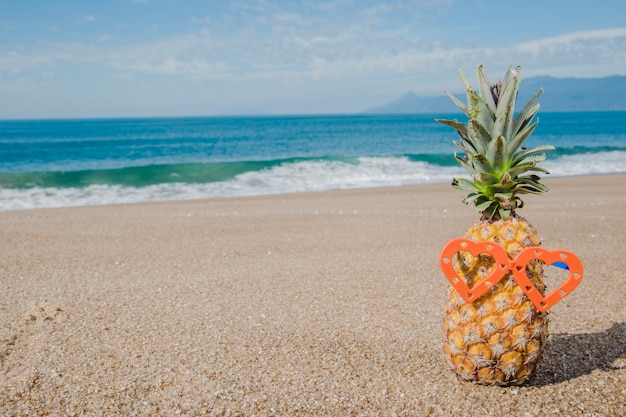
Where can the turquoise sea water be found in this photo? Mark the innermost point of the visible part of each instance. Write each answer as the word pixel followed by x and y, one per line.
pixel 53 163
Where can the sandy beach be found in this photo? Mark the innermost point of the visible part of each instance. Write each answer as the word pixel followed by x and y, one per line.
pixel 317 304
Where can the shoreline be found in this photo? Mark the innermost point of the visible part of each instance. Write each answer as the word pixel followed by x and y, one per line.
pixel 547 179
pixel 316 303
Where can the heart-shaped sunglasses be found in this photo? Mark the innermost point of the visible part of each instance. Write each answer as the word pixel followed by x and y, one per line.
pixel 560 258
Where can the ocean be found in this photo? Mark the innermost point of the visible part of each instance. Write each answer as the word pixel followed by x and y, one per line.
pixel 60 163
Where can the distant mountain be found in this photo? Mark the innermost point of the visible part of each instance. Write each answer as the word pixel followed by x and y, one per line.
pixel 560 94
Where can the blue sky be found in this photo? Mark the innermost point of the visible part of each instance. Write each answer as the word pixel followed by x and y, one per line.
pixel 94 58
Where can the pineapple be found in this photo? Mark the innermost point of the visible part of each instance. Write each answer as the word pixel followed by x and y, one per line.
pixel 499 338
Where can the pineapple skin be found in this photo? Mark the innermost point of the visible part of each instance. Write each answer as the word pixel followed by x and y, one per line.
pixel 499 338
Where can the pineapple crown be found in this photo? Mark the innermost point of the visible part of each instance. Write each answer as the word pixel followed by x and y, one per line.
pixel 492 142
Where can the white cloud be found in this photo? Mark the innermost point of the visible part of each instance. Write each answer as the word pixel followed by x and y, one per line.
pixel 568 40
pixel 577 54
pixel 90 18
pixel 301 53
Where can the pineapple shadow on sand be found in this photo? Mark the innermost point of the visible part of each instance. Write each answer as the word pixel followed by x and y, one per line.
pixel 570 356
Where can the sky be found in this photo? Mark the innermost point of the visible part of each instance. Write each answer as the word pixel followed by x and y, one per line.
pixel 150 58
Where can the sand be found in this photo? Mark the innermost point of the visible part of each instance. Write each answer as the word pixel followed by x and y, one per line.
pixel 317 304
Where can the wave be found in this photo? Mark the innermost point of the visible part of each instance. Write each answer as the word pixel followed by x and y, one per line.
pixel 210 180
pixel 137 176
pixel 584 150
pixel 226 179
pixel 197 173
pixel 611 162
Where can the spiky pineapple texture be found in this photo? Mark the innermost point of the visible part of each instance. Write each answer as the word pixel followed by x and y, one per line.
pixel 492 143
pixel 500 338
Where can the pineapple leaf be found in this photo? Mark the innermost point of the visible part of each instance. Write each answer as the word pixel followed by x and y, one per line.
pixel 490 211
pixel 461 128
pixel 472 98
pixel 531 184
pixel 508 124
pixel 528 191
pixel 532 154
pixel 504 214
pixel 463 184
pixel 485 114
pixel 462 160
pixel 484 87
pixel 505 186
pixel 470 198
pixel 479 135
pixel 458 103
pixel 481 163
pixel 455 124
pixel 496 153
pixel 528 112
pixel 519 169
pixel 506 108
pixel 482 207
pixel 503 198
pixel 486 178
pixel 539 169
pixel 507 77
pixel 521 137
pixel 465 145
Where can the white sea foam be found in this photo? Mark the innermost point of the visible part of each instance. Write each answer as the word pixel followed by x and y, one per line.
pixel 290 178
pixel 587 164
